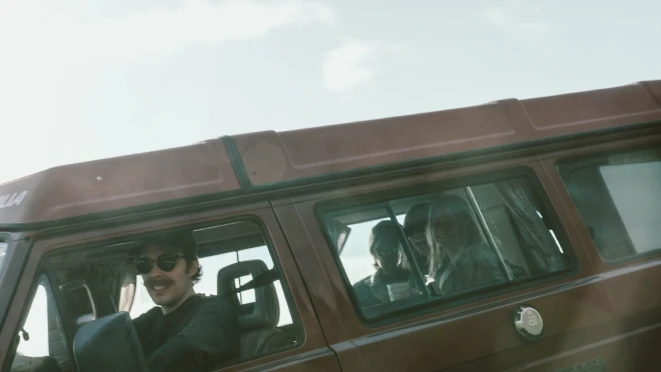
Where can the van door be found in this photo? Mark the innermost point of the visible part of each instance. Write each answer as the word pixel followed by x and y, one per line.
pixel 81 272
pixel 521 294
pixel 613 193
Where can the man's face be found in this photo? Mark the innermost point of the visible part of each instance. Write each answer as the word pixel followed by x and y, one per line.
pixel 168 288
pixel 449 230
pixel 387 255
pixel 419 239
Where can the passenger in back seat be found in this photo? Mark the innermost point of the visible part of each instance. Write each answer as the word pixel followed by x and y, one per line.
pixel 188 331
pixel 390 282
pixel 460 260
pixel 415 229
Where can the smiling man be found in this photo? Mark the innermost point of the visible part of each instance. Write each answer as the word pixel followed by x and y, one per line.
pixel 186 331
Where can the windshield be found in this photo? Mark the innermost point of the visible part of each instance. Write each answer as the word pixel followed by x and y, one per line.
pixel 3 254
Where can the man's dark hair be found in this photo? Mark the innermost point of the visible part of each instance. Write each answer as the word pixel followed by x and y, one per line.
pixel 180 241
pixel 385 231
pixel 198 275
pixel 416 216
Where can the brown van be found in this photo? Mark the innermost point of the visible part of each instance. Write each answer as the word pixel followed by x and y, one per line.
pixel 511 236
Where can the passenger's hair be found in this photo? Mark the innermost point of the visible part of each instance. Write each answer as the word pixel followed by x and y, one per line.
pixel 417 215
pixel 461 211
pixel 198 274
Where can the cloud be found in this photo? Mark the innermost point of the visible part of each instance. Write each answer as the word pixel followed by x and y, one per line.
pixel 347 66
pixel 66 38
pixel 518 19
pixel 43 50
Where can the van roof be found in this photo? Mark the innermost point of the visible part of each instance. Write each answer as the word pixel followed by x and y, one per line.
pixel 253 160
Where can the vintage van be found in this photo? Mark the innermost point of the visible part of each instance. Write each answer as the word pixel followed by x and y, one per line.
pixel 558 197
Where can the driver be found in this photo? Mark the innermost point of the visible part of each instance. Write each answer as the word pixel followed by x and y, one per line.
pixel 186 331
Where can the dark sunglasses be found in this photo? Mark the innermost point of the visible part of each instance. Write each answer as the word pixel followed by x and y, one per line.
pixel 386 249
pixel 165 262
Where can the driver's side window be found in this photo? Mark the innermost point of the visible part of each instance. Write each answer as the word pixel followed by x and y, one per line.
pixel 42 344
pixel 96 282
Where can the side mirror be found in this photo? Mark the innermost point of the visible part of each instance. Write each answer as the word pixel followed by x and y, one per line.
pixel 109 343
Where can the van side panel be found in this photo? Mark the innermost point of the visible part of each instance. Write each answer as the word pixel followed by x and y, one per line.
pixel 633 283
pixel 580 319
pixel 330 316
pixel 270 157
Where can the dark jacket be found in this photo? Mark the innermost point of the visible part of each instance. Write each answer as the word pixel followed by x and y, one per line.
pixel 198 335
pixel 477 266
pixel 373 290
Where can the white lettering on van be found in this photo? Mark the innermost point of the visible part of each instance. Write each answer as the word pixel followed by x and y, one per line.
pixel 12 200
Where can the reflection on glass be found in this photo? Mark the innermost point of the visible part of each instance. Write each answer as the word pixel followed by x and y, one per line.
pixel 634 189
pixel 3 253
pixel 618 199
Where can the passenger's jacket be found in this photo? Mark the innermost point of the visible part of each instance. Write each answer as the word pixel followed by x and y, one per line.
pixel 477 266
pixel 373 290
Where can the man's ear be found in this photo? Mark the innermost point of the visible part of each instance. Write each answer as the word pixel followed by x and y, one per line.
pixel 192 267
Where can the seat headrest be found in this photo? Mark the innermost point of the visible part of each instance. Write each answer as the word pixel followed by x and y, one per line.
pixel 265 311
pixel 79 298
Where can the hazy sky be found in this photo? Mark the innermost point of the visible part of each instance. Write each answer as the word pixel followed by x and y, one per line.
pixel 82 80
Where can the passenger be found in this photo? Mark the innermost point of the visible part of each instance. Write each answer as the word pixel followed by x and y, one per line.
pixel 386 249
pixel 459 258
pixel 188 331
pixel 415 227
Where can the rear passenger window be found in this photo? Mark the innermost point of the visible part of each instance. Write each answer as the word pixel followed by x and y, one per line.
pixel 444 243
pixel 619 199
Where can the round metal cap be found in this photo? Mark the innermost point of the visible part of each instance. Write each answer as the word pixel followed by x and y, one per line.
pixel 528 322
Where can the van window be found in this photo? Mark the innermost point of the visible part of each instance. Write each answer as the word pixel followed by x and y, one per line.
pixel 37 320
pixel 445 243
pixel 619 201
pixel 96 281
pixel 41 337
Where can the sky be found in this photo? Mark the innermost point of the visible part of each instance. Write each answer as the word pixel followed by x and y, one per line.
pixel 83 80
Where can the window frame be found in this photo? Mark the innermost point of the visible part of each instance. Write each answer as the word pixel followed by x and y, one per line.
pixel 368 199
pixel 16 258
pixel 42 277
pixel 567 165
pixel 108 246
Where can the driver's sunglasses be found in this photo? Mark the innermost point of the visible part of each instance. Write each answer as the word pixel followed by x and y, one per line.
pixel 165 262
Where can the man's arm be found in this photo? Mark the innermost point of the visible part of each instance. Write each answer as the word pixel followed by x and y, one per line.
pixel 210 337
